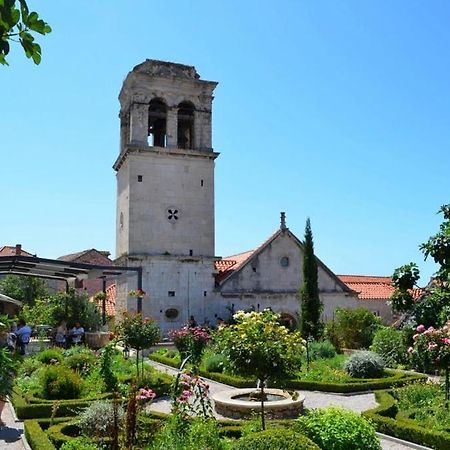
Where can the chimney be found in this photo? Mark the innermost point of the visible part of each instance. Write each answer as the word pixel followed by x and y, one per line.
pixel 18 249
pixel 283 221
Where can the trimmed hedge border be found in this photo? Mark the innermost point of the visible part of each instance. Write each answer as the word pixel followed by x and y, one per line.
pixel 397 378
pixel 387 420
pixel 36 436
pixel 25 410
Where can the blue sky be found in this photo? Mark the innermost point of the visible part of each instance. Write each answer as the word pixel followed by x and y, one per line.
pixel 336 110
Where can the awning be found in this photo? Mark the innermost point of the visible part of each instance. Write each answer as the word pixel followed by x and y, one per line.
pixel 6 299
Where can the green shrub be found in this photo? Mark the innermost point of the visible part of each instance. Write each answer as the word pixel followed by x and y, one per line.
pixel 58 382
pixel 81 362
pixel 36 436
pixel 62 432
pixel 29 366
pixel 198 433
pixel 364 365
pixel 97 420
pixel 338 429
pixel 387 421
pixel 160 383
pixel 49 354
pixel 419 395
pixel 275 439
pixel 389 343
pixel 215 363
pixel 80 443
pixel 355 328
pixel 321 350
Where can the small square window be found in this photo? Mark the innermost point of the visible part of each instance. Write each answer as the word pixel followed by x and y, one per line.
pixel 204 293
pixel 139 178
pixel 171 293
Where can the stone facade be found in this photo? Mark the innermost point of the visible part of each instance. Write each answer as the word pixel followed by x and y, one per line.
pixel 165 213
pixel 271 276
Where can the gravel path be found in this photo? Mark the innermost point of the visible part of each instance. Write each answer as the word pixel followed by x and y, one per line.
pixel 313 399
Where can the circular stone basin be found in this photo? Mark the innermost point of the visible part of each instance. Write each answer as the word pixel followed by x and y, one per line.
pixel 236 403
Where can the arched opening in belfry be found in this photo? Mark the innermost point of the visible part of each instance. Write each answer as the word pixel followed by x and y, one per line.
pixel 186 125
pixel 157 123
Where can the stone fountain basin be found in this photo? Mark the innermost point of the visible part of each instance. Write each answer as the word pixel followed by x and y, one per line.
pixel 228 406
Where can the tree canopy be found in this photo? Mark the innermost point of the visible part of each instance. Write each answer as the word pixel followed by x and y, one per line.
pixel 311 306
pixel 17 24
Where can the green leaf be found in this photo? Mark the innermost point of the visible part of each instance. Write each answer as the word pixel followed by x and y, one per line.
pixel 24 10
pixel 36 55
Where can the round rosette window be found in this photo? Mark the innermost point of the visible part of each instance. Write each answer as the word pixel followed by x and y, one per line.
pixel 171 313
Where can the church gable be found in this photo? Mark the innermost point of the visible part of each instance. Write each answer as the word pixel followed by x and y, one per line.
pixel 275 267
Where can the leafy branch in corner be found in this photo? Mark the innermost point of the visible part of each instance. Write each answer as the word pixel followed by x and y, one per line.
pixel 17 24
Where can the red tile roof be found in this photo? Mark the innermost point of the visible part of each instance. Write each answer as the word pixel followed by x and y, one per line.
pixel 229 264
pixel 110 300
pixel 10 250
pixel 373 287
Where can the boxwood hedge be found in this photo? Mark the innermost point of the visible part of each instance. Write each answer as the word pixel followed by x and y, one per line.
pixel 388 421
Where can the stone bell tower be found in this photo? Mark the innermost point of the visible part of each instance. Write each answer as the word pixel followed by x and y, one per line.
pixel 165 190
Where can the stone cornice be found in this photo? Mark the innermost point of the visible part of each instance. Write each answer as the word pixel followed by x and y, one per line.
pixel 162 151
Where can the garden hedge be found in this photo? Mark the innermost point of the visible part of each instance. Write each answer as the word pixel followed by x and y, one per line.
pixel 27 410
pixel 397 378
pixel 388 421
pixel 35 432
pixel 62 432
pixel 36 436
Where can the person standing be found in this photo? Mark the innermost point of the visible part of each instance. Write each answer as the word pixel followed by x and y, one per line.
pixel 61 334
pixel 23 334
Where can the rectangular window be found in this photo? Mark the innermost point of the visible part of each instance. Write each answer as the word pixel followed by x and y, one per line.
pixel 171 293
pixel 139 178
pixel 204 293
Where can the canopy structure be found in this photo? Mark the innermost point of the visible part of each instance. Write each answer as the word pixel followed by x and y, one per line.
pixel 6 299
pixel 67 271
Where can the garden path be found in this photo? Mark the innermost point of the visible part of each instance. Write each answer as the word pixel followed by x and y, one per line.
pixel 11 433
pixel 313 399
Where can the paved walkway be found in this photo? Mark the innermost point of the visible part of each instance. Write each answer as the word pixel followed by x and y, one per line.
pixel 11 433
pixel 313 399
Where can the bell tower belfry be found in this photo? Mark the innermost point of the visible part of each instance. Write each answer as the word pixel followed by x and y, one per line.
pixel 165 185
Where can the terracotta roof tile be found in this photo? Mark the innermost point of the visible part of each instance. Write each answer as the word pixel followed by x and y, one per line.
pixel 374 288
pixel 229 264
pixel 110 300
pixel 10 250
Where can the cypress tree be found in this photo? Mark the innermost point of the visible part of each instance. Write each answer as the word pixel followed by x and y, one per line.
pixel 310 304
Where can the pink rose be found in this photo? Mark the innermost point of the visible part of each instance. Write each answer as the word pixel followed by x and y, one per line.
pixel 420 328
pixel 410 350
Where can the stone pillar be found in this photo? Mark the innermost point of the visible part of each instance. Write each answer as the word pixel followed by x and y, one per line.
pixel 198 128
pixel 203 130
pixel 172 127
pixel 124 130
pixel 138 124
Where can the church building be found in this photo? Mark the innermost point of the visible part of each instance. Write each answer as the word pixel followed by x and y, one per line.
pixel 165 213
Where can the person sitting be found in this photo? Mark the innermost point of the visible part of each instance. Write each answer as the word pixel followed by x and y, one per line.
pixel 77 333
pixel 61 334
pixel 23 334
